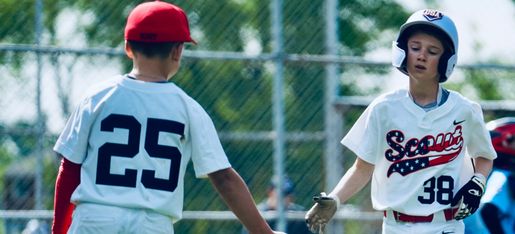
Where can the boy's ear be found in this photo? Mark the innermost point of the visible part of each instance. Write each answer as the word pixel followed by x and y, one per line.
pixel 128 50
pixel 176 52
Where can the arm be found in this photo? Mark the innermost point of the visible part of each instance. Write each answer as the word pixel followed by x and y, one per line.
pixel 483 166
pixel 67 180
pixel 354 180
pixel 236 195
pixel 326 206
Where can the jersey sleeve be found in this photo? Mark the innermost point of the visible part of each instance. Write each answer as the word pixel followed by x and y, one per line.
pixel 207 153
pixel 362 137
pixel 73 141
pixel 480 144
pixel 68 178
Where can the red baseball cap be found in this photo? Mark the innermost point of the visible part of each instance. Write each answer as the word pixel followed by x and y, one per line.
pixel 157 22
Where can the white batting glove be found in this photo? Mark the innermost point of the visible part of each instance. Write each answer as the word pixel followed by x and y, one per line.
pixel 469 196
pixel 277 232
pixel 324 209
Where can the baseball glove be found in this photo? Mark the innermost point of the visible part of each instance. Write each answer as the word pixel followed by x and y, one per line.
pixel 324 209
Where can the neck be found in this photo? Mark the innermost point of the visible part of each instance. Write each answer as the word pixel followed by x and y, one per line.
pixel 149 77
pixel 152 69
pixel 424 95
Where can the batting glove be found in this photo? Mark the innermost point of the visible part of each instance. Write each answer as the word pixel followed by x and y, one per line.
pixel 324 209
pixel 277 232
pixel 469 196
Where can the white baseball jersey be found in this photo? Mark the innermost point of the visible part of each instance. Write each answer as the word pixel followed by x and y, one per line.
pixel 134 140
pixel 418 155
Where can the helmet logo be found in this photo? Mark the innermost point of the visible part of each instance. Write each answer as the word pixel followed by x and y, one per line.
pixel 432 15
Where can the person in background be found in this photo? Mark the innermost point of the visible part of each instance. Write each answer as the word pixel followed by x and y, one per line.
pixel 270 204
pixel 496 214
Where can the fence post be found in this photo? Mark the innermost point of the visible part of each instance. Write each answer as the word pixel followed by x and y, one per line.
pixel 40 125
pixel 333 121
pixel 278 108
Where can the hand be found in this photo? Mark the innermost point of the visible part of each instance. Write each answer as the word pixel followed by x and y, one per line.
pixel 469 196
pixel 319 215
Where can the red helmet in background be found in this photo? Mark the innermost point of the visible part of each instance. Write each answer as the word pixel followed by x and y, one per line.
pixel 502 132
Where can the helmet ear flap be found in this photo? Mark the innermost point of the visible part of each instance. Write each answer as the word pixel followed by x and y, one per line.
pixel 446 65
pixel 451 63
pixel 399 57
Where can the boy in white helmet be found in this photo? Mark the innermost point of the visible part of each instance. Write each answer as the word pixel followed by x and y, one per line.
pixel 126 147
pixel 414 143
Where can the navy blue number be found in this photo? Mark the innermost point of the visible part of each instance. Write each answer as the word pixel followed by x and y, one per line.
pixel 109 150
pixel 154 127
pixel 129 150
pixel 444 193
pixel 437 189
pixel 429 189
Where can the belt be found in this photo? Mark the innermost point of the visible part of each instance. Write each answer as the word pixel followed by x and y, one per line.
pixel 401 217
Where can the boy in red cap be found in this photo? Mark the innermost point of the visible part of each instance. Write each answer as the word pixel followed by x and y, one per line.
pixel 126 147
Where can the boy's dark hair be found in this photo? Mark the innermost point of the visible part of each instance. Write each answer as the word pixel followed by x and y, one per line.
pixel 153 49
pixel 430 30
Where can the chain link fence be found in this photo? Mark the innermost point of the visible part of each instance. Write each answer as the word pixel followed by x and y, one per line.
pixel 280 92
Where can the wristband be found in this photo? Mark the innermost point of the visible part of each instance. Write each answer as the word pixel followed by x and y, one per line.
pixel 480 179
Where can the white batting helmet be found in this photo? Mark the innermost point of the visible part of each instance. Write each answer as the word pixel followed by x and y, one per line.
pixel 436 23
